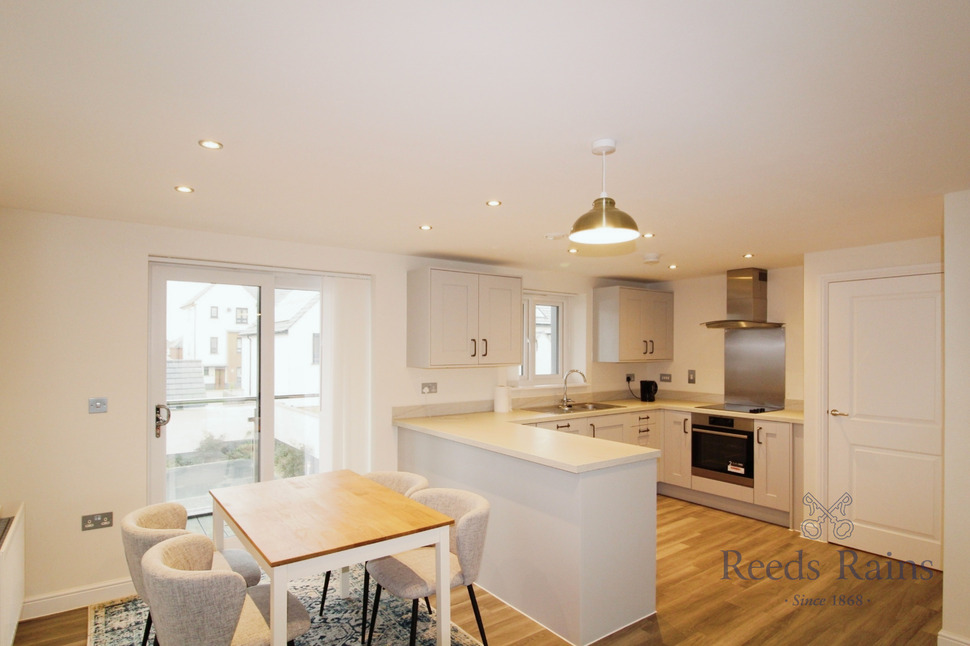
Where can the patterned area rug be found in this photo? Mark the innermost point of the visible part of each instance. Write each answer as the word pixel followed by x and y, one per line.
pixel 122 622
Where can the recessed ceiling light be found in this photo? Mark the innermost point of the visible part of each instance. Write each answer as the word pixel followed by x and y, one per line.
pixel 184 189
pixel 573 250
pixel 210 144
pixel 671 266
pixel 647 235
pixel 425 227
pixel 493 203
pixel 749 255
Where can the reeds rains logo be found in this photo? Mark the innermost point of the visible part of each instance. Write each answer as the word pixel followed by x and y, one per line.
pixel 819 514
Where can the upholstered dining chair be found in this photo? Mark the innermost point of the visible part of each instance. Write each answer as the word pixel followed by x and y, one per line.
pixel 403 482
pixel 144 528
pixel 411 575
pixel 195 604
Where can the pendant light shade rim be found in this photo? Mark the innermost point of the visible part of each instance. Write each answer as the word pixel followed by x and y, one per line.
pixel 604 224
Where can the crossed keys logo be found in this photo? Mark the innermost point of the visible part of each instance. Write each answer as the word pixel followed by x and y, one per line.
pixel 841 527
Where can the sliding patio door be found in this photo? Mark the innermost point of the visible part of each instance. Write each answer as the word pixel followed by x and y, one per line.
pixel 248 378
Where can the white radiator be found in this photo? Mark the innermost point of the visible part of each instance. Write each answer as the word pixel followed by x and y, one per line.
pixel 12 577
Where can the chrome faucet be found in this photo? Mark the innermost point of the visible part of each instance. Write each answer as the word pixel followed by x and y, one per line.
pixel 565 399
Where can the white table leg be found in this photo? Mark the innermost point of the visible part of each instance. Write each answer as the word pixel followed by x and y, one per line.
pixel 345 582
pixel 277 605
pixel 443 591
pixel 218 532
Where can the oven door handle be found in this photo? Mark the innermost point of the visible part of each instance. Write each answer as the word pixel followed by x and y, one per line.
pixel 735 435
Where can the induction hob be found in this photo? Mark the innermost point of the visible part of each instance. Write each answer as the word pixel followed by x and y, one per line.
pixel 741 408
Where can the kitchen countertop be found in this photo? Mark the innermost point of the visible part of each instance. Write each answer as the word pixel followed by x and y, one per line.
pixel 507 434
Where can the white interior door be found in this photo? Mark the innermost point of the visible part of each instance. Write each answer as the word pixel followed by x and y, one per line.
pixel 885 433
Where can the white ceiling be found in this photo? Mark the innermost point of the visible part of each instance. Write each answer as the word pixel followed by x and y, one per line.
pixel 774 127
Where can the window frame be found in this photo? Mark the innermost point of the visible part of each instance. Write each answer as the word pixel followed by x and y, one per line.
pixel 530 300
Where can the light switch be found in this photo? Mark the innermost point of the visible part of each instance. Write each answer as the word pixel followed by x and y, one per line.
pixel 98 405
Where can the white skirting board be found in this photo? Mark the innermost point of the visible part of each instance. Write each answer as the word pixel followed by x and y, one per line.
pixel 12 577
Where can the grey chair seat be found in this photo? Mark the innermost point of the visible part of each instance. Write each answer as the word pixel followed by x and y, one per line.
pixel 412 574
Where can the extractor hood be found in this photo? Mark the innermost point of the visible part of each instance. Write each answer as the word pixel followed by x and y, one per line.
pixel 747 301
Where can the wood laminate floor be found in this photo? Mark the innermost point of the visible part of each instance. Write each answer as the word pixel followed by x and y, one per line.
pixel 878 601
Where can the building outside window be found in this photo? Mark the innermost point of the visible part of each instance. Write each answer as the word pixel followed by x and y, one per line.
pixel 242 315
pixel 214 312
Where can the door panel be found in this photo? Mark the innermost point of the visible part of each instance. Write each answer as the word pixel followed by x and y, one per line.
pixel 500 319
pixel 885 413
pixel 454 318
pixel 206 369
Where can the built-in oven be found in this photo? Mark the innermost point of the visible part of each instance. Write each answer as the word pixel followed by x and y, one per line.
pixel 722 448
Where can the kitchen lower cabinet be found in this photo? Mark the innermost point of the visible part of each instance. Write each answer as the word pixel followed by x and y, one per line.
pixel 676 448
pixel 610 427
pixel 578 425
pixel 772 465
pixel 647 429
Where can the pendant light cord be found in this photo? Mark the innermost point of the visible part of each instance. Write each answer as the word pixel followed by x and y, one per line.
pixel 603 194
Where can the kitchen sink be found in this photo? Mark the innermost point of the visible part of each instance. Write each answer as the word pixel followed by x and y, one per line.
pixel 562 409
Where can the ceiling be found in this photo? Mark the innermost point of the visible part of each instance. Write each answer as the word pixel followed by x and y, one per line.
pixel 758 126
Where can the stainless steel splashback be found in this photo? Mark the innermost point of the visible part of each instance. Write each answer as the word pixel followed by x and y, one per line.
pixel 754 367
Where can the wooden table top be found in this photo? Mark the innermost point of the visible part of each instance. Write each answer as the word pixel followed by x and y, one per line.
pixel 292 519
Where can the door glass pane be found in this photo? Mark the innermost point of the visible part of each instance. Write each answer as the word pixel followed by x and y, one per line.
pixel 297 358
pixel 211 388
pixel 546 357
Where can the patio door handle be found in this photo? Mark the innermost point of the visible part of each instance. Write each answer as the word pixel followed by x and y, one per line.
pixel 159 420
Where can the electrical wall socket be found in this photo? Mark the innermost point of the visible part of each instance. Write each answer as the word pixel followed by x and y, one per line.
pixel 630 377
pixel 664 377
pixel 429 388
pixel 97 521
pixel 691 377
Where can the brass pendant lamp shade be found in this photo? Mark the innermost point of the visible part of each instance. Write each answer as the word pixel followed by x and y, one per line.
pixel 604 223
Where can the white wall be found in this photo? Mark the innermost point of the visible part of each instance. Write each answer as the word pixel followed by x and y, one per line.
pixel 956 456
pixel 75 325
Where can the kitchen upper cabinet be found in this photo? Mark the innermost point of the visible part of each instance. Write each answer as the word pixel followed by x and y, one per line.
pixel 676 448
pixel 633 324
pixel 772 465
pixel 458 319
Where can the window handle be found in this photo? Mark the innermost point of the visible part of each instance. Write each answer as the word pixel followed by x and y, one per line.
pixel 159 420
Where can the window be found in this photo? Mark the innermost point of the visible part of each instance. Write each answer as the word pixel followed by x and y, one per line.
pixel 242 315
pixel 214 312
pixel 543 349
pixel 213 345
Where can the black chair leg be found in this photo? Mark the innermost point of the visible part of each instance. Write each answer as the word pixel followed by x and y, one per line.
pixel 148 629
pixel 478 615
pixel 373 616
pixel 414 622
pixel 363 620
pixel 427 602
pixel 326 586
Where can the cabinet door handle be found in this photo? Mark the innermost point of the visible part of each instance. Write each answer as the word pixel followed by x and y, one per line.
pixel 651 346
pixel 643 417
pixel 559 427
pixel 759 436
pixel 485 349
pixel 474 347
pixel 593 428
pixel 685 424
pixel 646 348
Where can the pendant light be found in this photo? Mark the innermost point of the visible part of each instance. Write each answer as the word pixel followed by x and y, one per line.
pixel 604 223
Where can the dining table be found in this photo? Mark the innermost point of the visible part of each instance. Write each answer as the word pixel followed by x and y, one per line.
pixel 302 526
